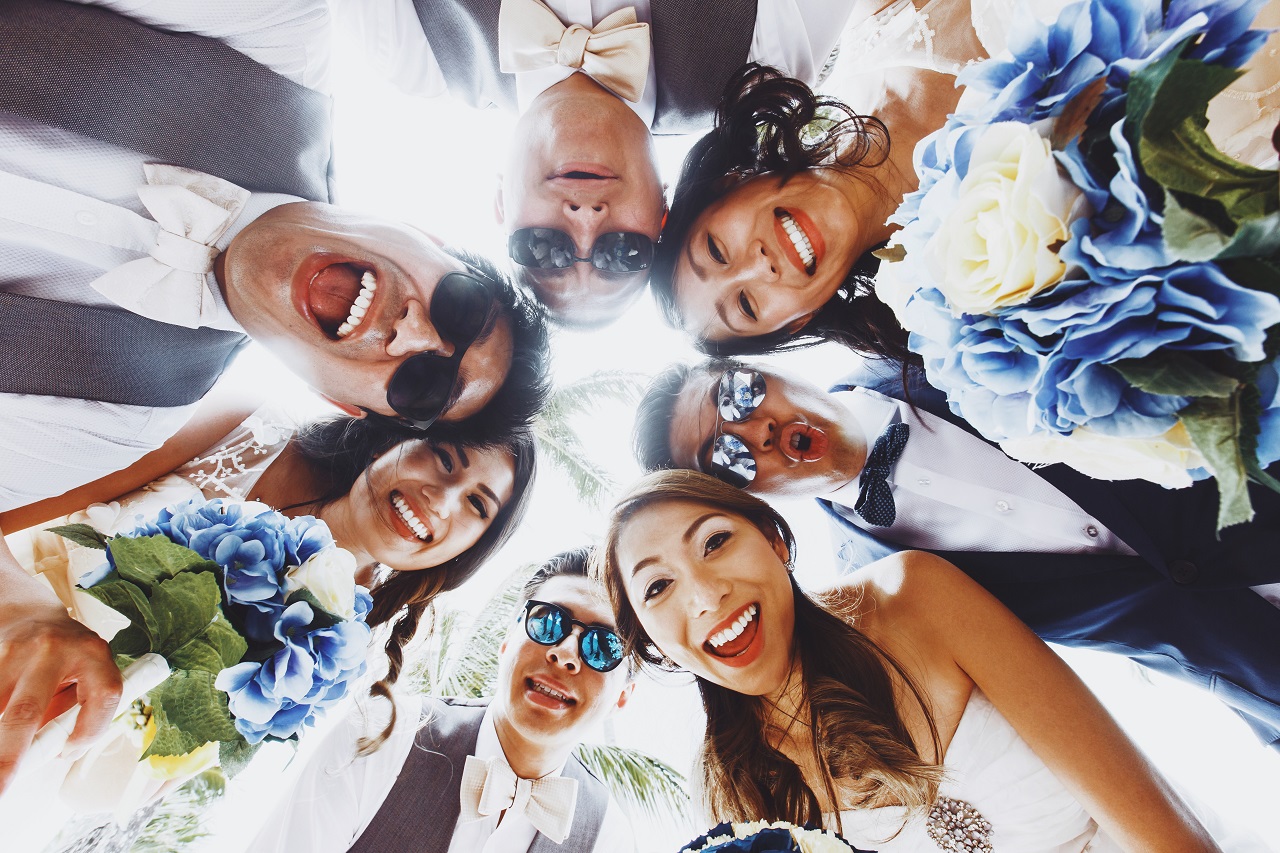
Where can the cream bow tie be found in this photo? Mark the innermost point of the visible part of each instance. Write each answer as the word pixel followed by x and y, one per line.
pixel 490 787
pixel 615 54
pixel 171 285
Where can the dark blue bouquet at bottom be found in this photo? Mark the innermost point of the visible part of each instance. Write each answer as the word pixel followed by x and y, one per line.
pixel 258 616
pixel 768 837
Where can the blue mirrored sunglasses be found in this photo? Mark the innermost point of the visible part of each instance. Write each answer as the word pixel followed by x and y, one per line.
pixel 548 624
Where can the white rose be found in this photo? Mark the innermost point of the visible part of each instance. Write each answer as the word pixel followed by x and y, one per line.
pixel 329 575
pixel 1163 459
pixel 997 246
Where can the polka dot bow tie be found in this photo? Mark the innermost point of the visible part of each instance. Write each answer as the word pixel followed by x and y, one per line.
pixel 875 498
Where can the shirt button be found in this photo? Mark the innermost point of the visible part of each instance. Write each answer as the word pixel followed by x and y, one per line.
pixel 86 219
pixel 923 481
pixel 1183 571
pixel 1003 506
pixel 1091 531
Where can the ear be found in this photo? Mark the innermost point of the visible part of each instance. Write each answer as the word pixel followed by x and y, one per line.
pixel 780 548
pixel 499 214
pixel 624 696
pixel 799 323
pixel 345 408
pixel 502 649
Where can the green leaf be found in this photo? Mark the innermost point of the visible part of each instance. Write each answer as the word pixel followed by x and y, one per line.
pixel 320 618
pixel 234 755
pixel 1165 119
pixel 637 780
pixel 1255 238
pixel 189 712
pixel 1214 426
pixel 81 534
pixel 142 635
pixel 217 647
pixel 1189 236
pixel 147 560
pixel 1177 374
pixel 184 606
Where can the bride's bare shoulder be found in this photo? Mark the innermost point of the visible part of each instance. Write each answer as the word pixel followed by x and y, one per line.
pixel 905 586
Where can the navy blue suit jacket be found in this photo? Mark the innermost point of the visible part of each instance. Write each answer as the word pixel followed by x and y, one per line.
pixel 1181 606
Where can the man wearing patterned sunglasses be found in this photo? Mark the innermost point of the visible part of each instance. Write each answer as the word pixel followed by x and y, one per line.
pixel 494 776
pixel 1124 566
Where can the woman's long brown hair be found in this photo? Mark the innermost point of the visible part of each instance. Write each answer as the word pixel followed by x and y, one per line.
pixel 847 691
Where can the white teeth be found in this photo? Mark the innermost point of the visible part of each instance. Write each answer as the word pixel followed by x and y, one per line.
pixel 735 630
pixel 406 515
pixel 368 284
pixel 798 239
pixel 542 688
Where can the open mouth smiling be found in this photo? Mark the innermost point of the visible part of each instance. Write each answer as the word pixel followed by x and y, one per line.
pixel 797 238
pixel 338 297
pixel 546 695
pixel 734 636
pixel 405 514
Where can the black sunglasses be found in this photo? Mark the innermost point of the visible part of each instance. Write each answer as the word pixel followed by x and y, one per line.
pixel 422 386
pixel 548 624
pixel 550 248
pixel 740 393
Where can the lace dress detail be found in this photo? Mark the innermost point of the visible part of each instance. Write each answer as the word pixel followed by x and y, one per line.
pixel 231 467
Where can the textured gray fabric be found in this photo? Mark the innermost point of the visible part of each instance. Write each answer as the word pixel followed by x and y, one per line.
pixel 119 356
pixel 421 810
pixel 182 99
pixel 697 46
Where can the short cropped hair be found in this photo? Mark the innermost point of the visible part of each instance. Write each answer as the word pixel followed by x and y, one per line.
pixel 651 437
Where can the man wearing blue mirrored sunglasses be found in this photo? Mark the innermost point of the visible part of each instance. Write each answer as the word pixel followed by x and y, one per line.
pixel 1126 566
pixel 488 776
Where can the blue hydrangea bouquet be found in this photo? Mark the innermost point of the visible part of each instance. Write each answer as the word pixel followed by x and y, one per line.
pixel 258 616
pixel 768 837
pixel 1088 277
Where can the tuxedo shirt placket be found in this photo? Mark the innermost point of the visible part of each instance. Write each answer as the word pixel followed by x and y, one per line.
pixel 955 492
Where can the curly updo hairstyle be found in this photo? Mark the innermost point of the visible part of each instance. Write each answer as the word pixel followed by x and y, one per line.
pixel 770 123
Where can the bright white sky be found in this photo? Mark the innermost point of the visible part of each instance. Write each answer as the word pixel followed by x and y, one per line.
pixel 434 165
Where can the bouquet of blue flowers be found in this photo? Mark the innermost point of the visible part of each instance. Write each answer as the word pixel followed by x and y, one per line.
pixel 1088 277
pixel 767 837
pixel 257 615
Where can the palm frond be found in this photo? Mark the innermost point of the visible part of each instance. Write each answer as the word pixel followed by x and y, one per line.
pixel 639 781
pixel 473 664
pixel 179 821
pixel 429 663
pixel 562 447
pixel 583 395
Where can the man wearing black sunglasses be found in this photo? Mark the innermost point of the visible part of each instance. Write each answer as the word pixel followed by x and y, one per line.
pixel 1124 566
pixel 165 199
pixel 496 776
pixel 592 84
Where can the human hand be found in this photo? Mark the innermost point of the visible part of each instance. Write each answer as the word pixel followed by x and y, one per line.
pixel 48 662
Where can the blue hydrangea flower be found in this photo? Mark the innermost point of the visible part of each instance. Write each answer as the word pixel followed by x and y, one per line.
pixel 311 669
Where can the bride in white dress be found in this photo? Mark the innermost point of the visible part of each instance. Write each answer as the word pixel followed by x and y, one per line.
pixel 907 708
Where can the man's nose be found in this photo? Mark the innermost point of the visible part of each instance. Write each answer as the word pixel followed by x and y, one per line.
pixel 759 432
pixel 565 652
pixel 413 332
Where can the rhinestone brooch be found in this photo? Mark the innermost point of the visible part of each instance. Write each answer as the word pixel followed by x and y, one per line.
pixel 957 827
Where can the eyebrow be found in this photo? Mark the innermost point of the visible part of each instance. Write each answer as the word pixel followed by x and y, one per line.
pixel 686 538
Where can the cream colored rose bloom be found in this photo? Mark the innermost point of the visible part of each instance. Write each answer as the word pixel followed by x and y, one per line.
pixel 329 575
pixel 998 245
pixel 1163 459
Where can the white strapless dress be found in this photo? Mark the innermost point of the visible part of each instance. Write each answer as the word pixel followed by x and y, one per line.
pixel 992 772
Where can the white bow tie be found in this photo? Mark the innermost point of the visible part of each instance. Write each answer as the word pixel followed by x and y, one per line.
pixel 491 787
pixel 191 211
pixel 615 54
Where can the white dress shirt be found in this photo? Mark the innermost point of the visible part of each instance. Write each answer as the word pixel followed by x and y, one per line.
pixel 69 223
pixel 954 492
pixel 337 794
pixel 795 36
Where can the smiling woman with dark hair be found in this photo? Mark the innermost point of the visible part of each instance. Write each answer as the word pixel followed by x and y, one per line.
pixel 903 706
